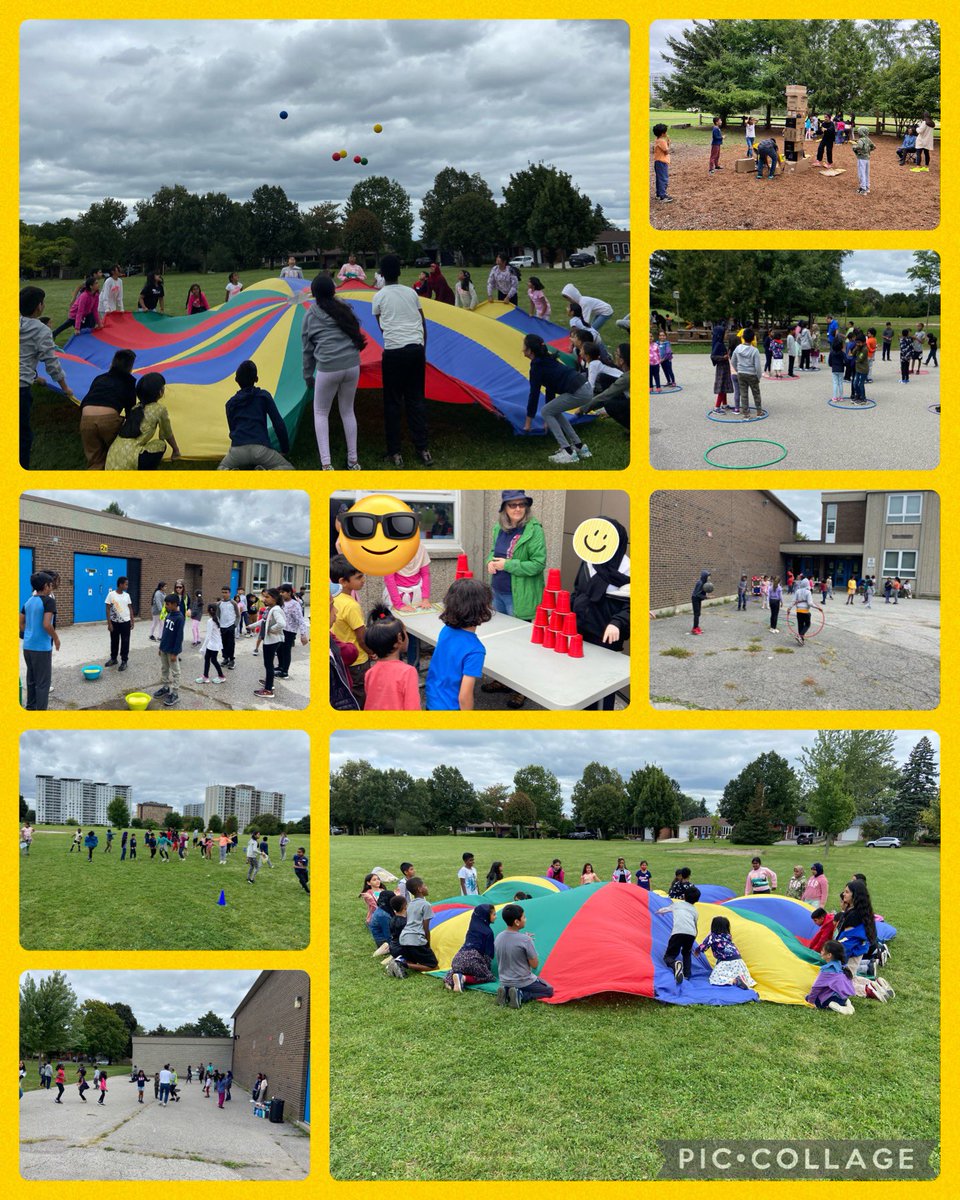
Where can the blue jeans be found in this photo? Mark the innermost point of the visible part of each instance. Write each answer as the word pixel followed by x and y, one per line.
pixel 537 990
pixel 164 1092
pixel 661 172
pixel 750 142
pixel 837 385
pixel 741 602
pixel 598 322
pixel 413 651
pixel 859 386
pixel 503 603
pixel 764 156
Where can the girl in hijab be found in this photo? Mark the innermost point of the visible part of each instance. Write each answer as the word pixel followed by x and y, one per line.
pixel 472 962
pixel 408 591
pixel 437 286
pixel 601 597
pixel 816 888
pixel 332 340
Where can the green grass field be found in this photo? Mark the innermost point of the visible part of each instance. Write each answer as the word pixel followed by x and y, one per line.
pixel 426 1084
pixel 68 903
pixel 699 133
pixel 463 437
pixel 31 1081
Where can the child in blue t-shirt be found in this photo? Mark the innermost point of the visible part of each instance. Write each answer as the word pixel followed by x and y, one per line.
pixel 300 868
pixel 457 661
pixel 642 876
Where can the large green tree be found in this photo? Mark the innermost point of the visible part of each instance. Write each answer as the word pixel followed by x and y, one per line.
pixel 453 799
pixel 321 227
pixel 470 227
pixel 47 1011
pixel 99 234
pixel 210 1025
pixel 118 813
pixel 780 791
pixel 276 225
pixel 925 270
pixel 100 1031
pixel 831 805
pixel 917 788
pixel 655 798
pixel 604 808
pixel 449 184
pixel 388 200
pixel 543 788
pixel 865 757
pixel 362 232
pixel 542 207
pixel 520 811
pixel 126 1015
pixel 755 824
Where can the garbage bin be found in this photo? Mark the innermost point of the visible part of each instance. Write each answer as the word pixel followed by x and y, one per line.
pixel 276 1111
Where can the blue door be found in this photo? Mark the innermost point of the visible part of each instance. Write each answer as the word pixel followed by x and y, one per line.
pixel 234 581
pixel 306 1100
pixel 26 570
pixel 93 577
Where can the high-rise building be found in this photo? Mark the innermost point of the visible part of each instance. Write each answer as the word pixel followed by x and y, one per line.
pixel 242 801
pixel 193 810
pixel 83 800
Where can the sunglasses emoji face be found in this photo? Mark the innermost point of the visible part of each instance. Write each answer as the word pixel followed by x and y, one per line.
pixel 380 535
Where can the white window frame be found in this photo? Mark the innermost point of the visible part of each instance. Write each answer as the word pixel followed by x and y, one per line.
pixel 260 577
pixel 903 517
pixel 900 571
pixel 288 573
pixel 830 525
pixel 306 578
pixel 450 499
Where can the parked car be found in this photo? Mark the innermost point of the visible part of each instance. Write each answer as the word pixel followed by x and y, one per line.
pixel 582 835
pixel 885 843
pixel 335 830
pixel 423 261
pixel 804 839
pixel 522 260
pixel 583 259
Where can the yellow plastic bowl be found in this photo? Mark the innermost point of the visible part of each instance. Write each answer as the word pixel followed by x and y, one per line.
pixel 138 701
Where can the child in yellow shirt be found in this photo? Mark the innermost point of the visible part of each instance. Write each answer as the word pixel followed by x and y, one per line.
pixel 348 623
pixel 661 163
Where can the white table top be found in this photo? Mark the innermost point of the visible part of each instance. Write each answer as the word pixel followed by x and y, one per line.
pixel 556 681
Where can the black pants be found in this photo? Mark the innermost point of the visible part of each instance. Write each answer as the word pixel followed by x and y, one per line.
pixel 679 946
pixel 149 460
pixel 774 613
pixel 926 157
pixel 803 623
pixel 804 360
pixel 39 669
pixel 269 663
pixel 885 356
pixel 904 375
pixel 26 432
pixel 229 643
pixel 618 407
pixel 301 874
pixel 90 854
pixel 791 359
pixel 768 361
pixel 403 380
pixel 668 372
pixel 932 356
pixel 507 299
pixel 210 660
pixel 285 651
pixel 825 147
pixel 696 611
pixel 120 639
pixel 82 1088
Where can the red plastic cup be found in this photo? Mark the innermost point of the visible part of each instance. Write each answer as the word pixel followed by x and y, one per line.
pixel 549 639
pixel 569 623
pixel 576 646
pixel 555 622
pixel 541 617
pixel 537 636
pixel 462 564
pixel 553 579
pixel 562 644
pixel 549 599
pixel 563 602
pixel 464 575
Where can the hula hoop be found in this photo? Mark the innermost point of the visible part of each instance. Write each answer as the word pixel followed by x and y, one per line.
pixel 810 632
pixel 741 442
pixel 781 378
pixel 673 387
pixel 734 418
pixel 852 405
pixel 934 408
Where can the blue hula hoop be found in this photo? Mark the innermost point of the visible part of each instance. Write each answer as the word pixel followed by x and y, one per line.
pixel 734 418
pixel 864 406
pixel 673 387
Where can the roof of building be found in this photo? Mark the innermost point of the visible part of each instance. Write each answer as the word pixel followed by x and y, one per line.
pixel 780 504
pixel 257 985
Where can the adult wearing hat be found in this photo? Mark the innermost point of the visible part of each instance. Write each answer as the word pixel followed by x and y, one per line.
pixel 516 565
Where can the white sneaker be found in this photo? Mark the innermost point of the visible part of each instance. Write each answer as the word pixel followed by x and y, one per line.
pixel 220 679
pixel 564 458
pixel 845 1010
pixel 201 679
pixel 584 451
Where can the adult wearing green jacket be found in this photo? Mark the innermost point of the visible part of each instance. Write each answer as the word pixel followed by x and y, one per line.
pixel 516 563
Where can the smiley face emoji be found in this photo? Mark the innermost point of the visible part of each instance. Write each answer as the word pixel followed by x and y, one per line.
pixel 596 540
pixel 380 535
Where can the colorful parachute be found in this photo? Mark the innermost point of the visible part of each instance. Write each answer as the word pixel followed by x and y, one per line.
pixel 792 915
pixel 609 937
pixel 469 360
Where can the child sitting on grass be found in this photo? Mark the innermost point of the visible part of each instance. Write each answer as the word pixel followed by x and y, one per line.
pixel 390 685
pixel 414 943
pixel 457 661
pixel 730 969
pixel 833 987
pixel 472 962
pixel 517 960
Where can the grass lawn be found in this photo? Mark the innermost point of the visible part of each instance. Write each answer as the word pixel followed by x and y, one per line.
pixel 585 1090
pixel 31 1081
pixel 68 903
pixel 463 437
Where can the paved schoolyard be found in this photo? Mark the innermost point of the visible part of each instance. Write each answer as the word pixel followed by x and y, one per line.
pixel 899 434
pixel 124 1140
pixel 82 644
pixel 884 657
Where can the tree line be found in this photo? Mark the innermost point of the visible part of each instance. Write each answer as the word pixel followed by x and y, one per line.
pixel 52 1021
pixel 733 67
pixel 841 775
pixel 774 287
pixel 118 815
pixel 541 206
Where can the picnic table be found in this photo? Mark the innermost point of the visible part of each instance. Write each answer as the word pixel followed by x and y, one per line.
pixel 552 680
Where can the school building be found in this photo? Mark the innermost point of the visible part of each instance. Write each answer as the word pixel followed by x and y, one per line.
pixel 91 550
pixel 271 1035
pixel 727 533
pixel 882 534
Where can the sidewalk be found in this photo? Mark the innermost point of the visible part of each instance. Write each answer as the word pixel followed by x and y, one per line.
pixel 83 644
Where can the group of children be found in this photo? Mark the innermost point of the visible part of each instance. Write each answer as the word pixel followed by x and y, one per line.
pixel 661 356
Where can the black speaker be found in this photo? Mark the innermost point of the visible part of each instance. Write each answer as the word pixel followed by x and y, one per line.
pixel 790 122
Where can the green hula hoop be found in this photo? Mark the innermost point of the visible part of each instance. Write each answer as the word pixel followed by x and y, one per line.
pixel 741 442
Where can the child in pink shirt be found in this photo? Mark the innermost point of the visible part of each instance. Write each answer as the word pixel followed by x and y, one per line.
pixel 411 589
pixel 539 304
pixel 88 305
pixel 389 685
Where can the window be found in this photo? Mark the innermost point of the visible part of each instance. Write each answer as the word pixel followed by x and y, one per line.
pixel 902 563
pixel 306 579
pixel 904 508
pixel 614 248
pixel 438 512
pixel 261 576
pixel 288 573
pixel 830 526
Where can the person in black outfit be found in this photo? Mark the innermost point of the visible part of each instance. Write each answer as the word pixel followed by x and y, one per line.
pixel 828 135
pixel 601 601
pixel 111 396
pixel 697 596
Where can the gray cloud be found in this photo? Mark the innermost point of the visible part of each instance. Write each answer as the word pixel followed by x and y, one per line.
pixel 885 270
pixel 702 761
pixel 274 520
pixel 173 766
pixel 197 103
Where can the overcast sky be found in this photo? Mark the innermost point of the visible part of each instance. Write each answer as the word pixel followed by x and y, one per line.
pixel 807 506
pixel 274 520
pixel 170 998
pixel 275 761
pixel 129 106
pixel 702 761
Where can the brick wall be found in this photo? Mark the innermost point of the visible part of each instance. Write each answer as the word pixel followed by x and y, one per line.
pixel 259 1024
pixel 157 813
pixel 851 521
pixel 728 533
pixel 168 563
pixel 152 1052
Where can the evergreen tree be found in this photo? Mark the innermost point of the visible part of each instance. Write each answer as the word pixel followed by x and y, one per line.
pixel 656 800
pixel 755 825
pixel 917 788
pixel 780 790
